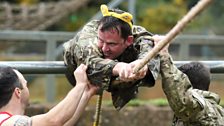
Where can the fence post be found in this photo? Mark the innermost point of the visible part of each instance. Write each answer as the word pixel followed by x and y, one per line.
pixel 184 51
pixel 50 89
pixel 41 10
pixel 24 12
pixel 8 10
pixel 131 9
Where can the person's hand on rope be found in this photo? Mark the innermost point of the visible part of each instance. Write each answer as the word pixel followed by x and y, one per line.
pixel 123 71
pixel 157 39
pixel 81 79
pixel 141 73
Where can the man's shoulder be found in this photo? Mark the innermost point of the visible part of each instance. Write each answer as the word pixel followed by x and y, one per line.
pixel 18 120
pixel 89 31
pixel 93 25
pixel 136 30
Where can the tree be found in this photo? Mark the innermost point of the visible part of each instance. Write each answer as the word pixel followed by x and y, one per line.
pixel 161 17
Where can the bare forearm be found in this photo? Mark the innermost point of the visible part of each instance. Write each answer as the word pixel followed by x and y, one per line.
pixel 67 107
pixel 81 107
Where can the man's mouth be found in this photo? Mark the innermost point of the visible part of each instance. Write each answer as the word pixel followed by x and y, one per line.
pixel 106 55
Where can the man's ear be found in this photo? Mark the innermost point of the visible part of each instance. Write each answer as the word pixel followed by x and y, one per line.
pixel 130 40
pixel 17 92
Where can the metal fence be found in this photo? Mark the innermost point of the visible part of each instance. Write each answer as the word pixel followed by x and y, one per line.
pixel 51 67
pixel 51 39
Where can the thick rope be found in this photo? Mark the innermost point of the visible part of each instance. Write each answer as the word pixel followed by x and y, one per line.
pixel 97 121
pixel 199 7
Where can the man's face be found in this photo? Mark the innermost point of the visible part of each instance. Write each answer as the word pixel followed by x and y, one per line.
pixel 25 91
pixel 111 43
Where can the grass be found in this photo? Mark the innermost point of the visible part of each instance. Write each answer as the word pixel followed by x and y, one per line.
pixel 37 91
pixel 138 102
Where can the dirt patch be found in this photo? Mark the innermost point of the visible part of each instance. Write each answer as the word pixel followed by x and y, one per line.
pixel 145 115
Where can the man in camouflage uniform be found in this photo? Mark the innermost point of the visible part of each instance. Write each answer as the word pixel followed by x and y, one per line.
pixel 111 48
pixel 186 90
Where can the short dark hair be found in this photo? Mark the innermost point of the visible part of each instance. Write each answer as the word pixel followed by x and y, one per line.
pixel 109 22
pixel 8 82
pixel 198 74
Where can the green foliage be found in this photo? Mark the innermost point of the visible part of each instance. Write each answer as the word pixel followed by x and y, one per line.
pixel 210 21
pixel 161 15
pixel 77 19
pixel 157 16
pixel 159 102
pixel 217 9
pixel 200 24
pixel 161 18
pixel 27 2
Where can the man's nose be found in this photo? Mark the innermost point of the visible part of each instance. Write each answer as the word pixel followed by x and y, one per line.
pixel 105 47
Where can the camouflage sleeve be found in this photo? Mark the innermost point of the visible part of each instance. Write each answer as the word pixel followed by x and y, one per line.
pixel 209 95
pixel 142 40
pixel 144 43
pixel 83 49
pixel 182 98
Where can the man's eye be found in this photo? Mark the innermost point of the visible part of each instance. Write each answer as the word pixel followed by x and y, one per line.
pixel 100 41
pixel 112 44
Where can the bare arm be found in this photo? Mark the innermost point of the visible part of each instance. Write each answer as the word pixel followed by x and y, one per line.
pixel 57 116
pixel 89 92
pixel 61 112
pixel 67 107
pixel 18 120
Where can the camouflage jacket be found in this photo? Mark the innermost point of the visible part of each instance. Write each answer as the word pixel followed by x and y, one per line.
pixel 83 49
pixel 192 107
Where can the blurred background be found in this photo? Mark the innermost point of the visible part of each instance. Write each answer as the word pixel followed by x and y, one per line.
pixel 33 30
